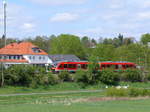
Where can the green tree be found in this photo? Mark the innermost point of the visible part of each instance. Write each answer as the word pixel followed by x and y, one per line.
pixel 136 53
pixel 128 40
pixel 9 40
pixel 94 43
pixel 121 39
pixel 107 41
pixel 42 42
pixel 145 38
pixel 67 44
pixel 104 52
pixel 85 41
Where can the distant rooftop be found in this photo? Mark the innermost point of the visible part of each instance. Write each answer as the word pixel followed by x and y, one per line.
pixel 22 48
pixel 56 58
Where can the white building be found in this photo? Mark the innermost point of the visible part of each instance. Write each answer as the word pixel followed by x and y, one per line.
pixel 23 53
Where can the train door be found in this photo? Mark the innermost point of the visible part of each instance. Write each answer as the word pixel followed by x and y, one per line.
pixel 66 67
pixel 78 66
pixel 103 66
pixel 120 67
pixel 84 66
pixel 72 67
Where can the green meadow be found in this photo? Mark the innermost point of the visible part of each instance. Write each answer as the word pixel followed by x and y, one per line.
pixel 71 102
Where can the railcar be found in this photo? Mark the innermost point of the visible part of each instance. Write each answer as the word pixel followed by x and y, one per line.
pixel 74 66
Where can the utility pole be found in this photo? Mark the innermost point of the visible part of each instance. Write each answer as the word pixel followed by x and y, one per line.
pixel 4 37
pixel 5 16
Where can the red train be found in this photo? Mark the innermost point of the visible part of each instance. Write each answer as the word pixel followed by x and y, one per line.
pixel 74 66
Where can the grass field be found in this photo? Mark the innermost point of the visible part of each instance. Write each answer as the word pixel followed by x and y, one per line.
pixel 54 88
pixel 69 102
pixel 64 87
pixel 78 102
pixel 101 106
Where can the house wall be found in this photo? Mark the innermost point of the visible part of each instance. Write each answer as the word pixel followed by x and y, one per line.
pixel 38 59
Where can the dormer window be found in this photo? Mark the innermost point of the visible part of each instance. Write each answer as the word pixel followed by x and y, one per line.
pixel 36 50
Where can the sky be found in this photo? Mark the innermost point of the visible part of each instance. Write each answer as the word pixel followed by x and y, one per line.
pixel 93 18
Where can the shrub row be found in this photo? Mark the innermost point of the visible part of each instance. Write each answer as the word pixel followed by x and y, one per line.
pixel 131 92
pixel 109 76
pixel 32 76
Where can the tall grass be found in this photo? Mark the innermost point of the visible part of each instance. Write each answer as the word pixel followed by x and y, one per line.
pixel 131 92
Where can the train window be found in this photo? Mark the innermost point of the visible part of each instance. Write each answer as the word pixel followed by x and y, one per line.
pixel 65 65
pixel 60 66
pixel 131 66
pixel 103 66
pixel 84 66
pixel 119 66
pixel 113 66
pixel 116 66
pixel 127 66
pixel 79 66
pixel 124 66
pixel 108 66
pixel 71 66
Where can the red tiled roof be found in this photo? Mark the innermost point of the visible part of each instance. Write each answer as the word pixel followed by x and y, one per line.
pixel 23 48
pixel 14 61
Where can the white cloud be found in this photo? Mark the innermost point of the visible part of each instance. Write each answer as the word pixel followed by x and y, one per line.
pixel 64 17
pixel 145 4
pixel 18 19
pixel 139 3
pixel 130 26
pixel 110 16
pixel 96 30
pixel 28 27
pixel 144 15
pixel 116 4
pixel 58 2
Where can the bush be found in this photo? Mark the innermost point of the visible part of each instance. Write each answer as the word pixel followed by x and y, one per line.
pixel 148 75
pixel 131 92
pixel 81 76
pixel 44 80
pixel 132 75
pixel 18 75
pixel 116 92
pixel 134 92
pixel 24 75
pixel 109 77
pixel 52 79
pixel 65 76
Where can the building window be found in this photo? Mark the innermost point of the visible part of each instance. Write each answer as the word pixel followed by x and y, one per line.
pixel 36 50
pixel 40 58
pixel 5 57
pixel 22 57
pixel 9 57
pixel 2 57
pixel 33 57
pixel 30 57
pixel 14 57
pixel 18 57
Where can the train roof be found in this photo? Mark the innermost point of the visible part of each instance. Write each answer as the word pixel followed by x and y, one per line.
pixel 103 62
pixel 115 62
